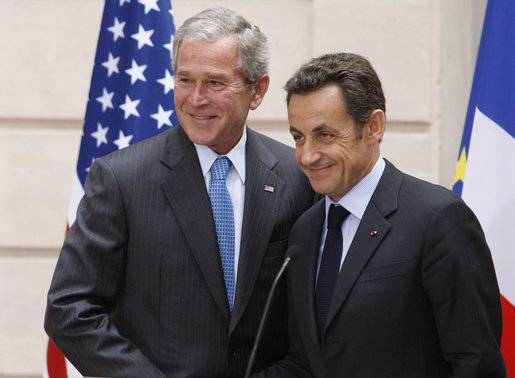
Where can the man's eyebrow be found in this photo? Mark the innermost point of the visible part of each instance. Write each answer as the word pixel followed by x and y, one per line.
pixel 216 76
pixel 182 72
pixel 323 127
pixel 208 76
pixel 316 129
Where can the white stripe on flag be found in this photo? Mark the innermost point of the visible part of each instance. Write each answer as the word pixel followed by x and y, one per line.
pixel 71 371
pixel 489 189
pixel 76 196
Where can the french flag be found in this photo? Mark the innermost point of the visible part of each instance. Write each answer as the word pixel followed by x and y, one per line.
pixel 485 172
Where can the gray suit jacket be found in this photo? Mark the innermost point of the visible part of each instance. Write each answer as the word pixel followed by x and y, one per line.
pixel 416 296
pixel 138 289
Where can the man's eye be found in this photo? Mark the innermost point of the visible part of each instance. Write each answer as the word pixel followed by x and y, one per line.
pixel 215 83
pixel 326 135
pixel 184 80
pixel 297 138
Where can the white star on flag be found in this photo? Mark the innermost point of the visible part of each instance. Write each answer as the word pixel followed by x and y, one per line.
pixel 167 82
pixel 117 29
pixel 101 134
pixel 111 64
pixel 106 99
pixel 123 141
pixel 124 1
pixel 129 107
pixel 162 117
pixel 149 5
pixel 136 72
pixel 143 37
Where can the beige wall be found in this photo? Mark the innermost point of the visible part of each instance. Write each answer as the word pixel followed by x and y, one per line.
pixel 423 50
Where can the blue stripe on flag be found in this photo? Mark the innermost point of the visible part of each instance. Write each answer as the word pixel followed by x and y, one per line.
pixel 494 92
pixel 493 88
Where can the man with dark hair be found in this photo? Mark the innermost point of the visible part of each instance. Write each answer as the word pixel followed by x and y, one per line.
pixel 178 238
pixel 394 277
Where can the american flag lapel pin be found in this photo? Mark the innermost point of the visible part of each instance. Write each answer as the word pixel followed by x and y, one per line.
pixel 373 233
pixel 269 188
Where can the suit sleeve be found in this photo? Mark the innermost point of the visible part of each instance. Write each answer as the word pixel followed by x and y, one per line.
pixel 459 277
pixel 86 282
pixel 295 364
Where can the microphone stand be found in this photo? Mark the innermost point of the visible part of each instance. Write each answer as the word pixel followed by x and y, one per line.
pixel 290 256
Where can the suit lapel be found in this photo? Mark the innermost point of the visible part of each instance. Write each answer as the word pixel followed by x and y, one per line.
pixel 369 235
pixel 261 210
pixel 186 192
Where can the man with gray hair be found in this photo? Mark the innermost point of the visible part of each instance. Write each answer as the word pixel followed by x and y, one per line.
pixel 178 238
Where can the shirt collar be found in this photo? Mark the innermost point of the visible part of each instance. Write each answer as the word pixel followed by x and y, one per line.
pixel 356 200
pixel 207 156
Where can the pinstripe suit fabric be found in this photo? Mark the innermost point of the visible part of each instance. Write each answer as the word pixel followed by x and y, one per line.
pixel 138 289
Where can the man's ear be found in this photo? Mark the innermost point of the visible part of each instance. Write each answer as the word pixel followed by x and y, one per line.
pixel 258 91
pixel 374 128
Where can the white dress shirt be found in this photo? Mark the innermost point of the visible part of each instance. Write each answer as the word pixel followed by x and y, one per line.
pixel 235 183
pixel 355 201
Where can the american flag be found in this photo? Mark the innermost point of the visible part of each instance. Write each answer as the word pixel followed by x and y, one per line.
pixel 130 98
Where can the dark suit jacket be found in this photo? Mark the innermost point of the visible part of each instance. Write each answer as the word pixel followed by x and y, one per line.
pixel 138 289
pixel 417 299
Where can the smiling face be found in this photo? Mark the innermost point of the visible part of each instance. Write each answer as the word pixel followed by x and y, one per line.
pixel 211 97
pixel 328 147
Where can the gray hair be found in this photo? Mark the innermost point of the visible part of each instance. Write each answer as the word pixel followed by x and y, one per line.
pixel 215 23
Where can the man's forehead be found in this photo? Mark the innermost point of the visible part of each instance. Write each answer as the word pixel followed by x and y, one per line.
pixel 227 42
pixel 215 59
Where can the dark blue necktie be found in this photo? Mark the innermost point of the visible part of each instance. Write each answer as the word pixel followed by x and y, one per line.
pixel 223 215
pixel 330 265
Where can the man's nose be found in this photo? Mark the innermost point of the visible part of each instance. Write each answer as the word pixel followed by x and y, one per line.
pixel 309 153
pixel 198 95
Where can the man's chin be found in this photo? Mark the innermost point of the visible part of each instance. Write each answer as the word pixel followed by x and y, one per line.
pixel 198 136
pixel 320 189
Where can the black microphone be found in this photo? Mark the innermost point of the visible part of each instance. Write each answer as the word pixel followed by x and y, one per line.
pixel 291 254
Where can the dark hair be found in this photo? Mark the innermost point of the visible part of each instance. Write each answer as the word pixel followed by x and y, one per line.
pixel 359 83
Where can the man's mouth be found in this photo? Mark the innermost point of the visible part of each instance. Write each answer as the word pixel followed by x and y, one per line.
pixel 315 170
pixel 203 117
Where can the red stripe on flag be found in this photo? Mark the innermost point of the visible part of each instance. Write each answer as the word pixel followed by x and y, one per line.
pixel 508 336
pixel 56 364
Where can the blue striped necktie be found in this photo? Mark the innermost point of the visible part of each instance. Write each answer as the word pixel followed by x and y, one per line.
pixel 224 221
pixel 330 265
